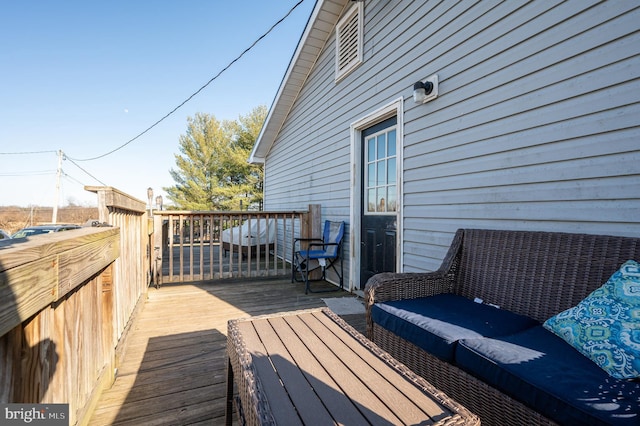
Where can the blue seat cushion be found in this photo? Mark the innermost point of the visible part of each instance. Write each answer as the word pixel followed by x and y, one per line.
pixel 541 370
pixel 436 323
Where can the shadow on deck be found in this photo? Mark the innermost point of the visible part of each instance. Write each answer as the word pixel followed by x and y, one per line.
pixel 173 370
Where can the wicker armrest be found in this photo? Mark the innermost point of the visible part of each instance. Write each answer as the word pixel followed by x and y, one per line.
pixel 391 286
pixel 397 286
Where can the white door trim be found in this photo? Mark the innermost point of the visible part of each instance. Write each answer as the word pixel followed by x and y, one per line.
pixel 393 108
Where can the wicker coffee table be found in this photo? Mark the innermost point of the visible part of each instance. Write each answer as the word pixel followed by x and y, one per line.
pixel 312 368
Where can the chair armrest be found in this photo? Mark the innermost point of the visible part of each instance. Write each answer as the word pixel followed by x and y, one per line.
pixel 389 286
pixel 307 239
pixel 323 245
pixel 297 242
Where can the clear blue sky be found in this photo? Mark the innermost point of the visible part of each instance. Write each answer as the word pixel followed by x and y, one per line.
pixel 85 77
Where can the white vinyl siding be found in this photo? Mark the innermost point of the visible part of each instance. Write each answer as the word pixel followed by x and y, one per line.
pixel 536 127
pixel 539 130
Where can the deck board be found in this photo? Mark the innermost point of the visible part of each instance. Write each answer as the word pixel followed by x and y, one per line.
pixel 174 367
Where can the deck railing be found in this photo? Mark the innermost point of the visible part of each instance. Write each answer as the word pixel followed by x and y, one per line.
pixel 57 306
pixel 195 246
pixel 66 301
pixel 132 268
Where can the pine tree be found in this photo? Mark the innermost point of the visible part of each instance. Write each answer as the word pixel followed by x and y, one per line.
pixel 212 170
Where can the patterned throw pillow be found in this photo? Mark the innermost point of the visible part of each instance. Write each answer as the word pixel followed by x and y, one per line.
pixel 605 326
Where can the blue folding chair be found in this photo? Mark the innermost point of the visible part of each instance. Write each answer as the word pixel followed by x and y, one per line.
pixel 319 254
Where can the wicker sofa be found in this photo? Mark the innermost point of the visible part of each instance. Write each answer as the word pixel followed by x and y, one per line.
pixel 532 276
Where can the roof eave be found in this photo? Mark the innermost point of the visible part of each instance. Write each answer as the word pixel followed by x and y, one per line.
pixel 322 21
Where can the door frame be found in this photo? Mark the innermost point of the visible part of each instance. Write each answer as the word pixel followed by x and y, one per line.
pixel 393 108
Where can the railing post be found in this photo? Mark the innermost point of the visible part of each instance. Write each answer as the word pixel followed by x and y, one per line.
pixel 313 227
pixel 157 246
pixel 312 222
pixel 130 275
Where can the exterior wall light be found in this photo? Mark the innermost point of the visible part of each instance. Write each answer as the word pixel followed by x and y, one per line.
pixel 425 90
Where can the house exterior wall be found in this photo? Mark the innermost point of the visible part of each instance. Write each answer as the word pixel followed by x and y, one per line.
pixel 536 125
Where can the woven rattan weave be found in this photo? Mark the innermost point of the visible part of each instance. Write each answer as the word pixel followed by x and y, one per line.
pixel 537 274
pixel 312 368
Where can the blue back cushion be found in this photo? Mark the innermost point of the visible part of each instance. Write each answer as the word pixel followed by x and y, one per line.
pixel 436 323
pixel 541 370
pixel 333 232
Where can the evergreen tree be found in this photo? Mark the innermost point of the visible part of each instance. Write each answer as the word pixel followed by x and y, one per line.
pixel 247 177
pixel 212 170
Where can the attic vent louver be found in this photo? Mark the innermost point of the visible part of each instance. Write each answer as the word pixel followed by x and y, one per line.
pixel 349 41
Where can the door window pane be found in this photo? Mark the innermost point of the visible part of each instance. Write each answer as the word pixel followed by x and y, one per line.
pixel 371 149
pixel 380 178
pixel 381 175
pixel 392 201
pixel 381 200
pixel 371 195
pixel 391 171
pixel 382 146
pixel 391 145
pixel 371 175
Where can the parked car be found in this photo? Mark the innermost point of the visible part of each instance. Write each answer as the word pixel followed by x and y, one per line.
pixel 4 235
pixel 43 229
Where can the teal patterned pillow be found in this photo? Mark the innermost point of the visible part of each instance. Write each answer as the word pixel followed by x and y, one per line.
pixel 605 326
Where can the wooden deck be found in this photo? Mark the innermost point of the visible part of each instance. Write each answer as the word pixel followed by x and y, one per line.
pixel 173 370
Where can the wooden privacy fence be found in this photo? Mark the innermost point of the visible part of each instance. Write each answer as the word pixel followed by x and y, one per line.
pixel 192 246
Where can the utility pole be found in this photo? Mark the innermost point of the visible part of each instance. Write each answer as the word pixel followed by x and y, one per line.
pixel 54 216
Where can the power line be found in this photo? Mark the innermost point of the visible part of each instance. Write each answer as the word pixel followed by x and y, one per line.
pixel 197 91
pixel 28 173
pixel 72 179
pixel 28 152
pixel 44 172
pixel 76 164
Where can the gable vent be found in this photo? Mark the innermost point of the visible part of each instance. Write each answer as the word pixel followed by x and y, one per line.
pixel 349 41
